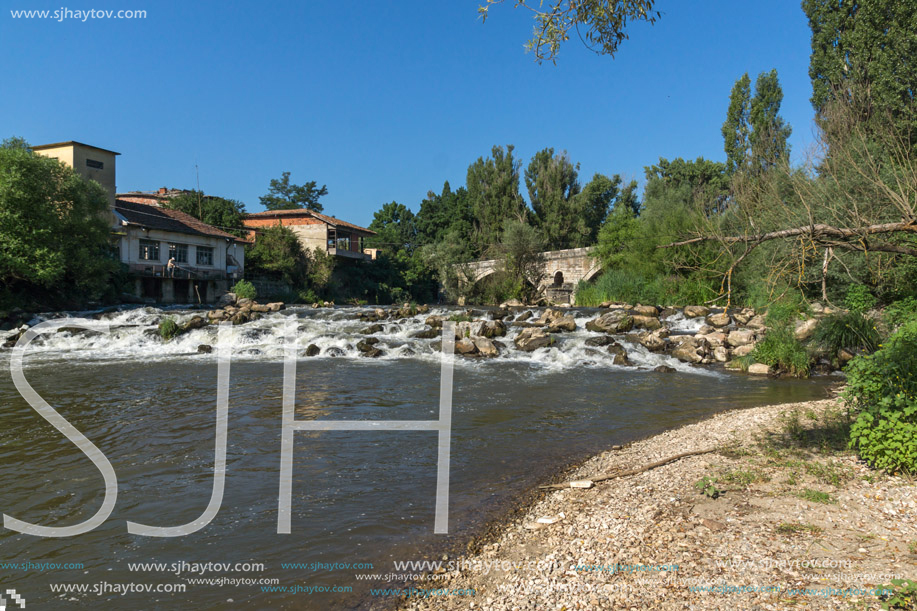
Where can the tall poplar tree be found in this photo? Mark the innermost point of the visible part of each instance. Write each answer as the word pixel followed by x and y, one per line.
pixel 493 190
pixel 735 129
pixel 769 132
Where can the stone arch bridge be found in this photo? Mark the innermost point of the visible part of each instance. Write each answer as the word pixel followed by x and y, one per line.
pixel 563 271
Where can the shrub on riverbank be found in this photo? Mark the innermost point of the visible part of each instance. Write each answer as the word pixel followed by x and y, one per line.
pixel 882 390
pixel 244 290
pixel 780 348
pixel 634 287
pixel 851 330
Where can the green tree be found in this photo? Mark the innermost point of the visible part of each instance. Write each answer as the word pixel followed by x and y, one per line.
pixel 446 213
pixel 493 191
pixel 769 132
pixel 521 248
pixel 736 128
pixel 278 253
pixel 225 214
pixel 867 50
pixel 394 227
pixel 600 24
pixel 552 183
pixel 54 229
pixel 282 195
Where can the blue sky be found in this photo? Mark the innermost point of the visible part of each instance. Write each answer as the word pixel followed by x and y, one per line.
pixel 381 101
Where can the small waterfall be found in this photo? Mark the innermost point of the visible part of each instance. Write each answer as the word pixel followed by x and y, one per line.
pixel 335 332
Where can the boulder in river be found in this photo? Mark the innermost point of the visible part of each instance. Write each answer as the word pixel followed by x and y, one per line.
pixel 664 369
pixel 492 328
pixel 759 369
pixel 365 345
pixel 532 339
pixel 616 321
pixel 485 347
pixel 371 329
pixel 564 323
pixel 204 349
pixel 646 310
pixel 718 320
pixel 312 350
pixel 619 353
pixel 646 322
pixel 601 340
pixel 652 342
pixel 465 346
pixel 524 316
pixel 426 334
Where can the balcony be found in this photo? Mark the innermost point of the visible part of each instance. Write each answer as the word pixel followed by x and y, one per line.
pixel 349 254
pixel 185 272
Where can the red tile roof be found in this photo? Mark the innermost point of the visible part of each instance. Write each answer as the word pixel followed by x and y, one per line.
pixel 330 220
pixel 157 217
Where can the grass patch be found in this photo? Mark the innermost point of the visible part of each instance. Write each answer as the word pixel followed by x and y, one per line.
pixel 815 496
pixel 797 528
pixel 461 318
pixel 745 477
pixel 168 328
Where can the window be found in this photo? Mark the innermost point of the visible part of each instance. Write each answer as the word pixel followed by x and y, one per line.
pixel 205 255
pixel 92 163
pixel 179 252
pixel 149 250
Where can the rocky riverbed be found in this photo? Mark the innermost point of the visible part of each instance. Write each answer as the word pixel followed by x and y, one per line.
pixel 778 516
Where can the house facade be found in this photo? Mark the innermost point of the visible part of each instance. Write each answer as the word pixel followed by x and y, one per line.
pixel 147 235
pixel 315 230
pixel 207 260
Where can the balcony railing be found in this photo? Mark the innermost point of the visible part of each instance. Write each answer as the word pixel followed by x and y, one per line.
pixel 185 272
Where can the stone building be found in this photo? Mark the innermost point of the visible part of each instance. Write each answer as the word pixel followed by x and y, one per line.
pixel 315 230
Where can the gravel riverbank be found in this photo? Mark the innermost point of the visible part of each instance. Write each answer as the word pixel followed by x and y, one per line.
pixel 779 516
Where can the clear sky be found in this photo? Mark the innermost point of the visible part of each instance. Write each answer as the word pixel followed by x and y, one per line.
pixel 380 100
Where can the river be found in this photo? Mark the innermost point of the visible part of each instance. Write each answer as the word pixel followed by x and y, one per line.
pixel 358 497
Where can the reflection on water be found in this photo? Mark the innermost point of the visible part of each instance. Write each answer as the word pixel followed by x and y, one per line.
pixel 357 496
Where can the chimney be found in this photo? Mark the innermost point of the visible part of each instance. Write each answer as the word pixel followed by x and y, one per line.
pixel 162 190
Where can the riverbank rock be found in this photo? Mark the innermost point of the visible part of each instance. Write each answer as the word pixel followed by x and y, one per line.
pixel 805 329
pixel 718 320
pixel 695 311
pixel 743 350
pixel 744 315
pixel 532 339
pixel 690 350
pixel 759 369
pixel 740 337
pixel 226 300
pixel 616 321
pixel 434 321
